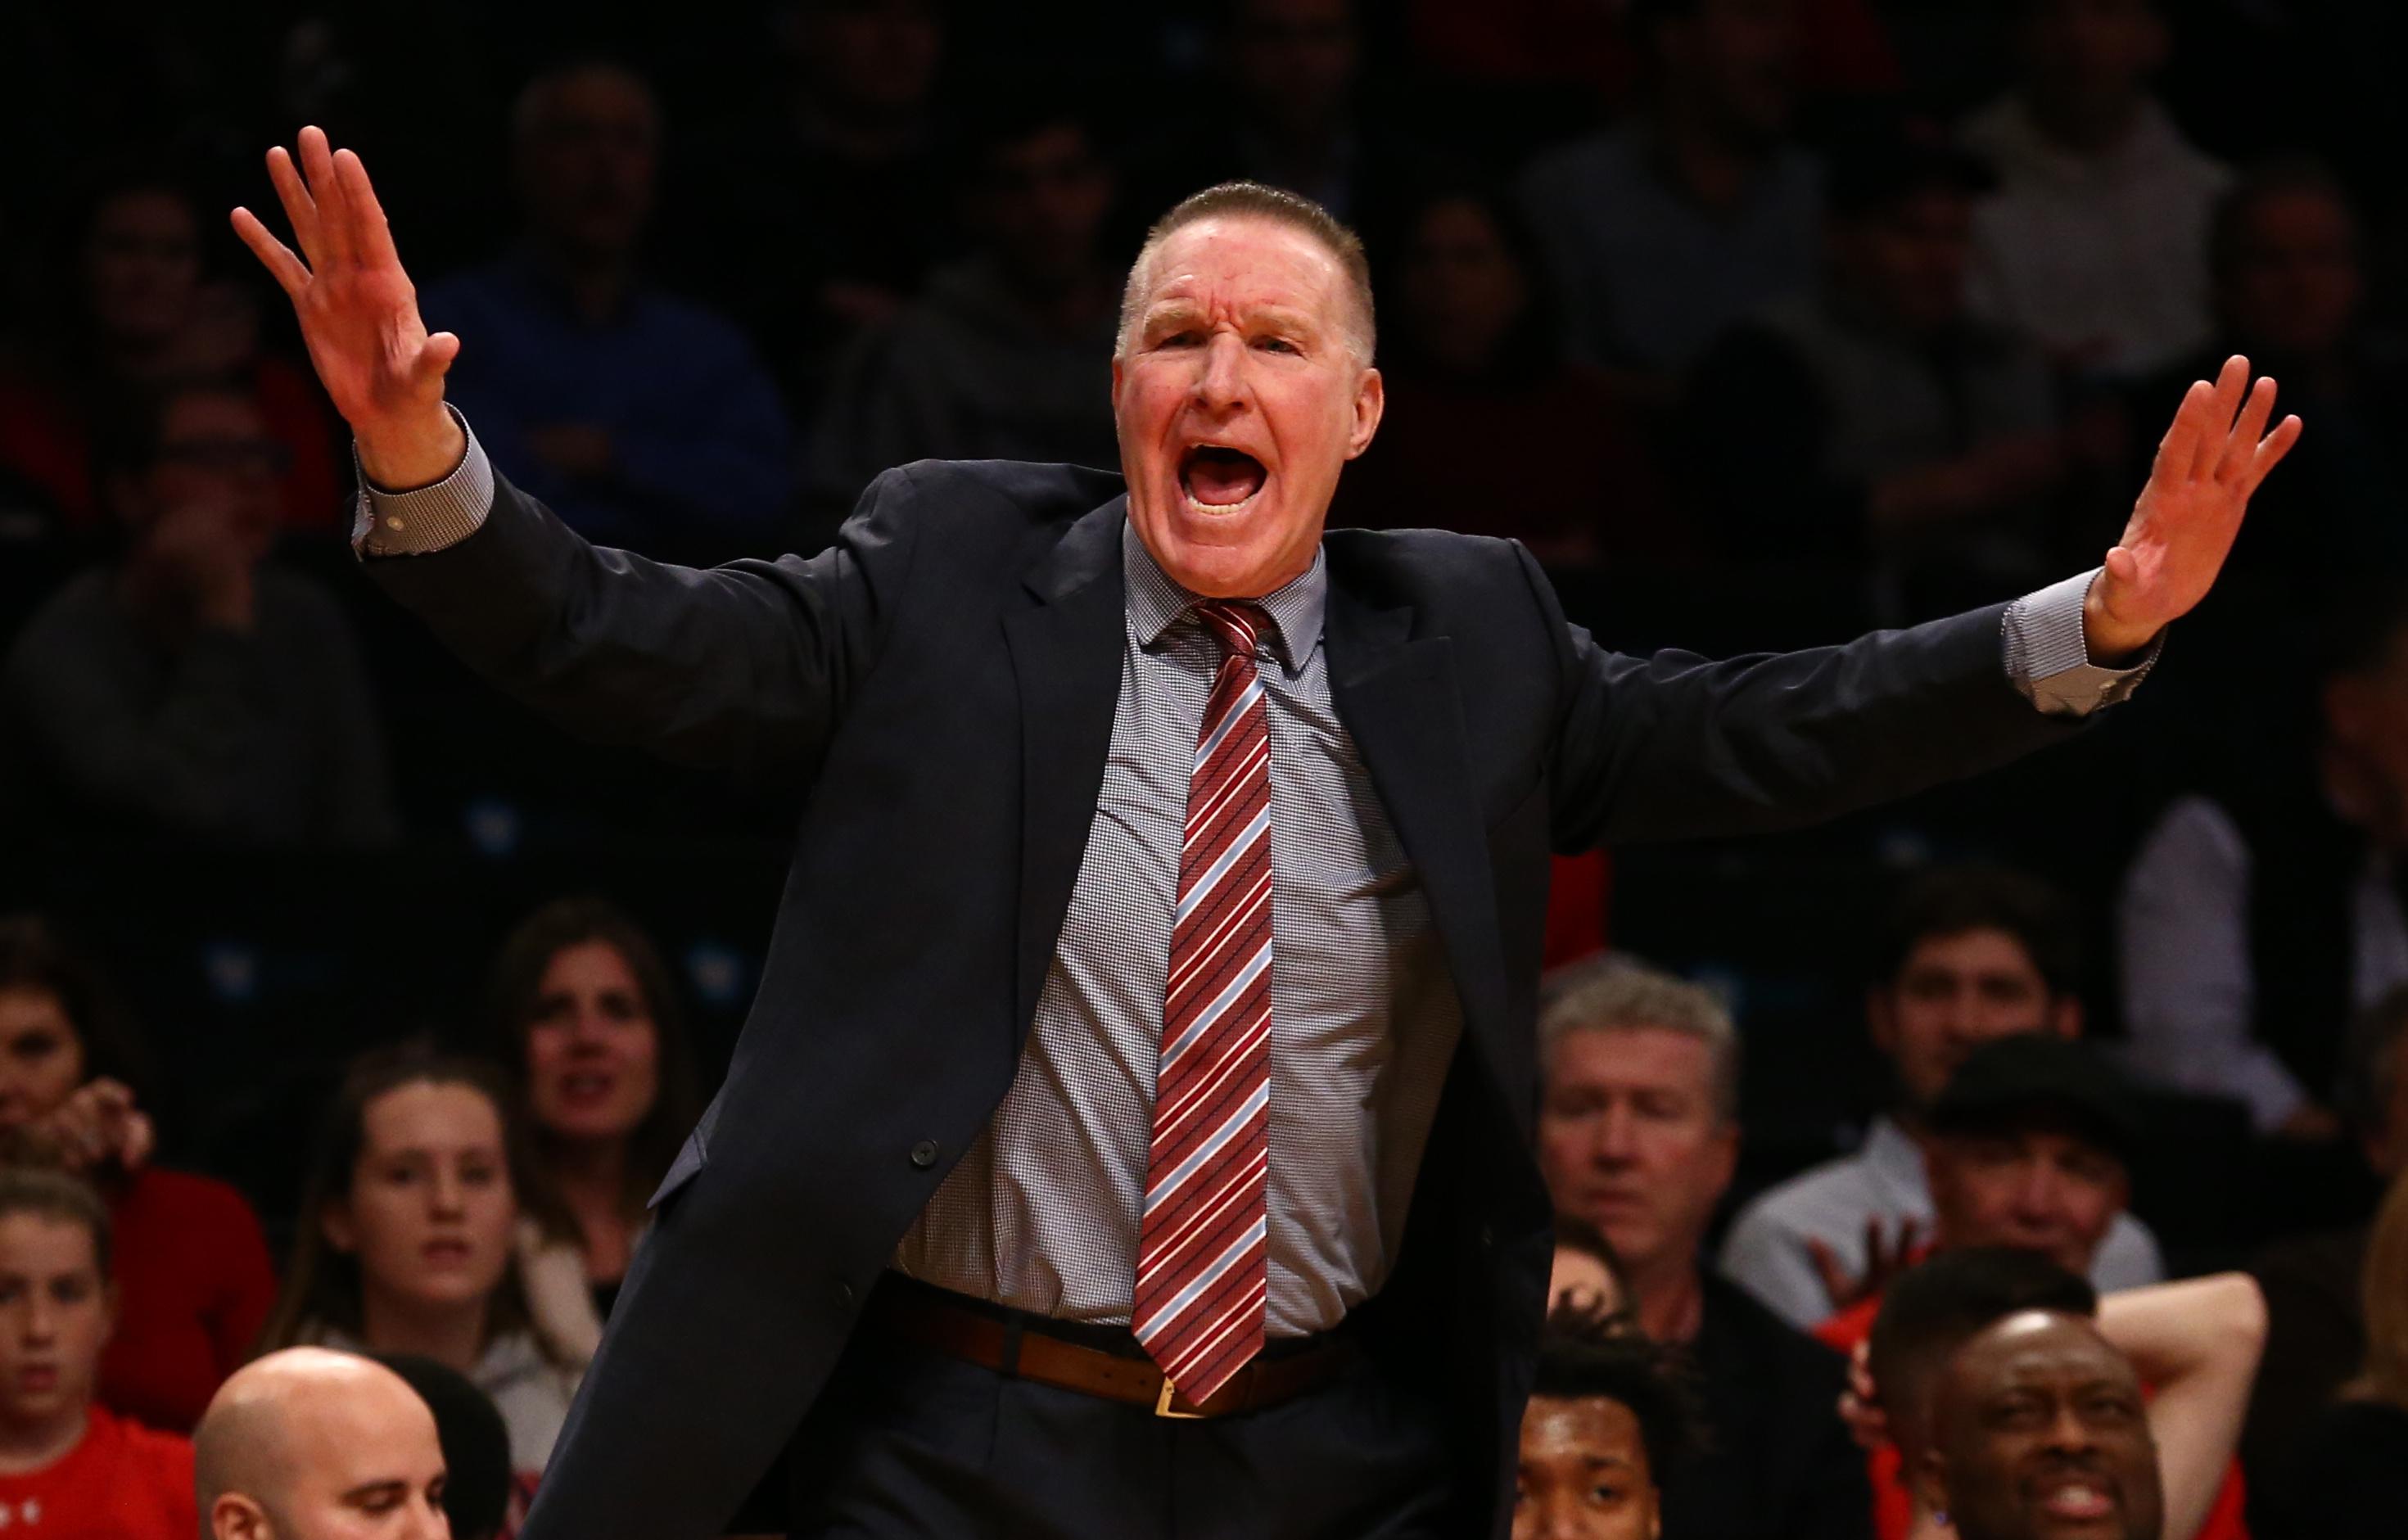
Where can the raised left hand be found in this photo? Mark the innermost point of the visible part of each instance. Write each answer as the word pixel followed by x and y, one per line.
pixel 2182 527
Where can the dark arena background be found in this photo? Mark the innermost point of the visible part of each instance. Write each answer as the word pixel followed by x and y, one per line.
pixel 1760 323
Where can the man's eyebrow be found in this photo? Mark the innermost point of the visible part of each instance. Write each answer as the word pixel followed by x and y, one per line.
pixel 1611 1462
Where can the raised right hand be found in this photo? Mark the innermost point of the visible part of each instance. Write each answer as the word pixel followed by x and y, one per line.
pixel 359 315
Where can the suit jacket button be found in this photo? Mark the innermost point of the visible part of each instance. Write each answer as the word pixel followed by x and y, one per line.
pixel 844 1295
pixel 924 1154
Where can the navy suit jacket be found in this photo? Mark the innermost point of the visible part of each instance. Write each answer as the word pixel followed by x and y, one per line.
pixel 943 680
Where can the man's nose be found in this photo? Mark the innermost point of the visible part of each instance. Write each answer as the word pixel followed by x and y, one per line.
pixel 1616 1131
pixel 1220 384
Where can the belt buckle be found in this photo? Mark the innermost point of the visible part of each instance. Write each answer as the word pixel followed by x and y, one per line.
pixel 1162 1406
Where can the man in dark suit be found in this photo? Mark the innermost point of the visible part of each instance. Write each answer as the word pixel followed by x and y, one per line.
pixel 981 1234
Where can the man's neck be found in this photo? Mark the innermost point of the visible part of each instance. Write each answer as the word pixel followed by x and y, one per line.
pixel 453 1336
pixel 43 1442
pixel 1669 1300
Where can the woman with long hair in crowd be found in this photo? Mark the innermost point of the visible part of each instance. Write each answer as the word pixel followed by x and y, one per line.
pixel 583 1010
pixel 405 1243
pixel 2350 1477
pixel 192 1272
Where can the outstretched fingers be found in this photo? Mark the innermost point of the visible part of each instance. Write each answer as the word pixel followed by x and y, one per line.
pixel 335 232
pixel 2270 450
pixel 300 208
pixel 2241 444
pixel 2231 386
pixel 2179 448
pixel 372 237
pixel 273 254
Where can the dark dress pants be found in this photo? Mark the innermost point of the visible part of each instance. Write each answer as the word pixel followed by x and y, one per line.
pixel 908 1444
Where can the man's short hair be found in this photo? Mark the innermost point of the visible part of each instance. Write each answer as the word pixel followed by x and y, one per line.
pixel 1577 1362
pixel 1938 1306
pixel 1952 900
pixel 1254 200
pixel 1624 996
pixel 62 1199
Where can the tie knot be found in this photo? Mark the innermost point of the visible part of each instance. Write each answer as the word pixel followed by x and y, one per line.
pixel 1236 625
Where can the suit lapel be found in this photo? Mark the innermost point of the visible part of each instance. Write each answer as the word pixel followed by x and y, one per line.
pixel 1397 696
pixel 1066 655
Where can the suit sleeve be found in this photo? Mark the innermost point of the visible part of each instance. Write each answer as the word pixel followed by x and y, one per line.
pixel 744 667
pixel 1678 746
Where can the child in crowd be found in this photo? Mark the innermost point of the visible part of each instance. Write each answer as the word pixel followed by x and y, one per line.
pixel 70 1468
pixel 405 1242
pixel 192 1273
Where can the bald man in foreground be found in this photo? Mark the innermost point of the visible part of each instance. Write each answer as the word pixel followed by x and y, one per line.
pixel 311 1444
pixel 2040 1432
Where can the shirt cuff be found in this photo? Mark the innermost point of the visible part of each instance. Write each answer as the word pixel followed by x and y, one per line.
pixel 2048 661
pixel 428 519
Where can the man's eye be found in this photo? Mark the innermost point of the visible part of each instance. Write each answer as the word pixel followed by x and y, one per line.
pixel 1178 339
pixel 1279 344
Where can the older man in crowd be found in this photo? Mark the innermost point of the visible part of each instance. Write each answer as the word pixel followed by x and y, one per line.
pixel 1639 1137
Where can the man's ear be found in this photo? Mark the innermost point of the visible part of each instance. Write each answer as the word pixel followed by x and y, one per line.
pixel 2065 1016
pixel 1930 1479
pixel 1370 403
pixel 235 1517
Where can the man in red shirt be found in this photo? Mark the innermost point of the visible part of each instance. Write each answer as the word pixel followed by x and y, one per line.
pixel 68 1469
pixel 2029 1150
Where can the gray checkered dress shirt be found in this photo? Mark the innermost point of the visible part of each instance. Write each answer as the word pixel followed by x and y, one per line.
pixel 1042 1211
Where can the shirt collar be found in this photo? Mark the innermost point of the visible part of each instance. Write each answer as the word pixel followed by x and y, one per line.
pixel 1156 603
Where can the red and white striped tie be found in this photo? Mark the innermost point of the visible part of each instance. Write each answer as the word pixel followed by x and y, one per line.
pixel 1200 1270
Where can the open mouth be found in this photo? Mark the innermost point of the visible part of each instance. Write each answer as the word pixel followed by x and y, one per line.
pixel 1215 476
pixel 2079 1502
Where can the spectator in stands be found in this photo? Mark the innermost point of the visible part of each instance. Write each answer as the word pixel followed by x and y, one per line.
pixel 1697 212
pixel 190 688
pixel 1478 358
pixel 145 315
pixel 2029 1147
pixel 1611 1422
pixel 1637 1136
pixel 821 215
pixel 585 1010
pixel 1929 1311
pixel 2314 1283
pixel 642 419
pixel 1888 428
pixel 2348 1479
pixel 1286 109
pixel 2194 1345
pixel 475 1442
pixel 2287 259
pixel 2039 1428
pixel 2262 910
pixel 68 1465
pixel 2095 241
pixel 1009 354
pixel 405 1240
pixel 1968 955
pixel 190 1269
pixel 311 1445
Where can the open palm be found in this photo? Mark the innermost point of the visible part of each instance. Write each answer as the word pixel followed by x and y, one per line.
pixel 357 308
pixel 2208 466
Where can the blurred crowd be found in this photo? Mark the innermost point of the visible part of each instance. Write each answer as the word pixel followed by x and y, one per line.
pixel 1759 322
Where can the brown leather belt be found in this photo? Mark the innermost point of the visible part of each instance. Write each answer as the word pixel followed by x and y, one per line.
pixel 924 1316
